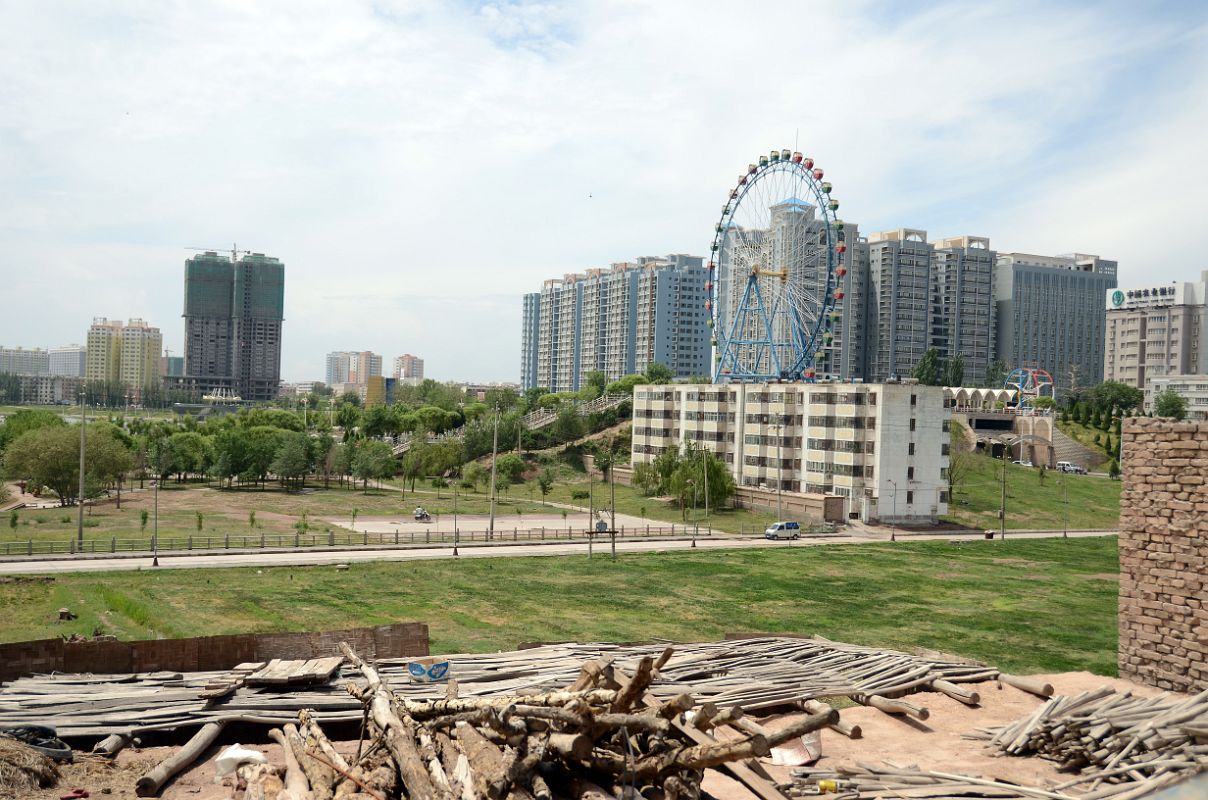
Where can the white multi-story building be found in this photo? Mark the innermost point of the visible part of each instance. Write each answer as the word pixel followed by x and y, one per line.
pixel 882 447
pixel 354 367
pixel 1192 388
pixel 19 361
pixel 70 361
pixel 616 321
pixel 1156 331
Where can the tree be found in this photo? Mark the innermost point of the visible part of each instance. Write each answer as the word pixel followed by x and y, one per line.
pixel 350 398
pixel 594 383
pixel 348 417
pixel 1169 403
pixel 47 457
pixel 476 475
pixel 510 467
pixel 646 478
pixel 291 462
pixel 188 453
pixel 1113 469
pixel 417 461
pixel 1114 397
pixel 927 371
pixel 251 519
pixel 261 445
pixel 143 516
pixel 545 481
pixel 380 420
pixel 25 420
pixel 568 426
pixel 961 458
pixel 373 460
pixel 954 371
pixel 200 521
pixel 13 519
pixel 1044 403
pixel 996 373
pixel 625 384
pixel 658 373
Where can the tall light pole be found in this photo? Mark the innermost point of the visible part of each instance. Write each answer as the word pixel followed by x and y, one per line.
pixel 155 526
pixel 893 521
pixel 494 458
pixel 80 501
pixel 456 530
pixel 1002 508
pixel 779 467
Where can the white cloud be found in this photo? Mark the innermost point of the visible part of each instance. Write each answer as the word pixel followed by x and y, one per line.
pixel 419 165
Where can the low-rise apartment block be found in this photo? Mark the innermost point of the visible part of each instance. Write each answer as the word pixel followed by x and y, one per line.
pixel 882 447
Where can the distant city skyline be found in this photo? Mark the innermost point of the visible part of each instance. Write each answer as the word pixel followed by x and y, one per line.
pixel 420 167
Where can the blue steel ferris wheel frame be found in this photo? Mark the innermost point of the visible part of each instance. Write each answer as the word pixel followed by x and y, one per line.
pixel 808 342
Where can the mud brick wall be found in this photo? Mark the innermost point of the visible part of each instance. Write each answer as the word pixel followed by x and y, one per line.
pixel 207 653
pixel 1164 554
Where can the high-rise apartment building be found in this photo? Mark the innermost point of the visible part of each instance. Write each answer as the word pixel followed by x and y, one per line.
pixel 1156 332
pixel 126 354
pixel 899 309
pixel 963 319
pixel 409 368
pixel 19 361
pixel 69 361
pixel 1050 314
pixel 617 321
pixel 353 368
pixel 233 317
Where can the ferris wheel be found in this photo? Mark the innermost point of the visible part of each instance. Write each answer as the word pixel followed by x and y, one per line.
pixel 774 273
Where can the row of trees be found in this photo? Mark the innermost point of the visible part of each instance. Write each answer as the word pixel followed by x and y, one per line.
pixel 684 474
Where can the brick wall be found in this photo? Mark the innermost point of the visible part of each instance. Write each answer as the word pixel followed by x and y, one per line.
pixel 207 653
pixel 1164 554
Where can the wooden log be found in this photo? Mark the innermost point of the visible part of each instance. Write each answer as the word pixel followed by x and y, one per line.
pixel 488 765
pixel 149 784
pixel 724 717
pixel 702 717
pixel 398 733
pixel 112 744
pixel 896 706
pixel 1038 688
pixel 262 781
pixel 846 729
pixel 678 759
pixel 966 696
pixel 663 658
pixel 634 687
pixel 425 709
pixel 320 776
pixel 295 779
pixel 791 731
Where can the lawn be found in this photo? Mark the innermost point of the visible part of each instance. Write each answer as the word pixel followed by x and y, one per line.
pixel 1023 605
pixel 1086 501
pixel 1085 435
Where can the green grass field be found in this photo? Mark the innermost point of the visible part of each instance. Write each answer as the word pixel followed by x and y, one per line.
pixel 1026 605
pixel 1087 501
pixel 1085 435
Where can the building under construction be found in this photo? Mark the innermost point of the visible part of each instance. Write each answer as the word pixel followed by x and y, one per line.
pixel 233 313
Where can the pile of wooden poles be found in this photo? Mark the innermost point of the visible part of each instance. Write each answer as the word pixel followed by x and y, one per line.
pixel 605 735
pixel 1124 746
pixel 870 781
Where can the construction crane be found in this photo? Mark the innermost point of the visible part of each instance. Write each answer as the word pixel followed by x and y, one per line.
pixel 235 251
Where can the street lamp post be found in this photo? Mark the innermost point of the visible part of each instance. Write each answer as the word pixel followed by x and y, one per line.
pixel 893 520
pixel 80 500
pixel 456 530
pixel 494 458
pixel 779 467
pixel 1002 508
pixel 155 526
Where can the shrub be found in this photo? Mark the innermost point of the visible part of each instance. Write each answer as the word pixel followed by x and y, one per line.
pixel 579 494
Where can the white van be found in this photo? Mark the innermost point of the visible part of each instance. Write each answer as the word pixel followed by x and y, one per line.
pixel 783 530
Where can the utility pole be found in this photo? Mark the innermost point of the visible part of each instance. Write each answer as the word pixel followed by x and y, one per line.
pixel 155 527
pixel 591 511
pixel 80 500
pixel 704 468
pixel 494 458
pixel 893 522
pixel 779 467
pixel 1002 507
pixel 456 530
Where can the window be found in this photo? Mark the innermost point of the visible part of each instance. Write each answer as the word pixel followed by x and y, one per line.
pixel 914 399
pixel 909 498
pixel 910 449
pixel 912 424
pixel 910 473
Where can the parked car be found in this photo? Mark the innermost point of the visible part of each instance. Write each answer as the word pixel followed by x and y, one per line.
pixel 1069 466
pixel 1024 463
pixel 783 530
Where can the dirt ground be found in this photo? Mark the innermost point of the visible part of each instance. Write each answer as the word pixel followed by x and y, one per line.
pixel 935 744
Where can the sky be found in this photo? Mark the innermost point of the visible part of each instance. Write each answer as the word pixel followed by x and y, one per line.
pixel 418 165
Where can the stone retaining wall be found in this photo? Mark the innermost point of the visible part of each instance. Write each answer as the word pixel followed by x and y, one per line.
pixel 1164 554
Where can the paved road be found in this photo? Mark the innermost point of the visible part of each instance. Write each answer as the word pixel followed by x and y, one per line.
pixel 321 557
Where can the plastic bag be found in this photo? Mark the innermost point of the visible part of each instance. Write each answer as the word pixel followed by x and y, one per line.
pixel 229 760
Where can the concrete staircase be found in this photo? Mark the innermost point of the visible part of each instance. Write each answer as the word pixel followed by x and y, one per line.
pixel 1067 449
